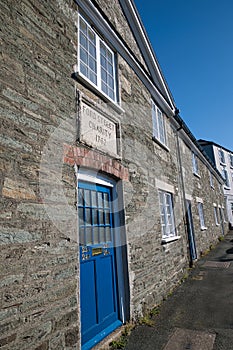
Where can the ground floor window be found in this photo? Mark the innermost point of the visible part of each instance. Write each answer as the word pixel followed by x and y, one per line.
pixel 216 216
pixel 201 215
pixel 167 214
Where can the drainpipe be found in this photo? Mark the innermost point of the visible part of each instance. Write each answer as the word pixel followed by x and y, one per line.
pixel 184 206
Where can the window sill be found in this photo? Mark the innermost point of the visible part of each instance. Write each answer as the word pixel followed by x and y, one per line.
pixel 170 239
pixel 227 188
pixel 161 144
pixel 204 228
pixel 197 175
pixel 217 224
pixel 79 77
pixel 212 187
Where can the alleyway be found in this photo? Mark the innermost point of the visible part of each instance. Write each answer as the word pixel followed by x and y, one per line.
pixel 199 314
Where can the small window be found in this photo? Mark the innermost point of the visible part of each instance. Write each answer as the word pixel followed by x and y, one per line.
pixel 221 156
pixel 201 215
pixel 211 180
pixel 223 214
pixel 226 177
pixel 195 164
pixel 216 215
pixel 158 124
pixel 96 60
pixel 167 214
pixel 231 160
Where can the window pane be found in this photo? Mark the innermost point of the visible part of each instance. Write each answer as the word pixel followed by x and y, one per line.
pixel 91 36
pixel 92 50
pixel 88 216
pixel 81 236
pixel 83 41
pixel 80 215
pixel 111 83
pixel 87 198
pixel 93 77
pixel 100 199
pixel 102 234
pixel 93 199
pixel 83 69
pixel 80 196
pixel 104 75
pixel 101 217
pixel 107 218
pixel 108 234
pixel 106 200
pixel 96 235
pixel 92 64
pixel 88 235
pixel 83 55
pixel 110 69
pixel 83 26
pixel 111 94
pixel 104 88
pixel 95 216
pixel 103 62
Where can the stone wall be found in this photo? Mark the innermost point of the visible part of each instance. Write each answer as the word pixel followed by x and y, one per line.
pixel 38 260
pixel 199 188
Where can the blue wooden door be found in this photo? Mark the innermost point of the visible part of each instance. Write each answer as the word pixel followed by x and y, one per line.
pixel 98 292
pixel 191 236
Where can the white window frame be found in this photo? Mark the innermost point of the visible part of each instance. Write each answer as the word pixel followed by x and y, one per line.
pixel 223 214
pixel 226 177
pixel 211 180
pixel 98 42
pixel 221 156
pixel 159 130
pixel 167 217
pixel 231 160
pixel 201 215
pixel 195 164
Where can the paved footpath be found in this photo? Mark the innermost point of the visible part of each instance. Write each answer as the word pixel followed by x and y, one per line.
pixel 199 314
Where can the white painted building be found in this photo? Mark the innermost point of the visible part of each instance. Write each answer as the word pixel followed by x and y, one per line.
pixel 223 160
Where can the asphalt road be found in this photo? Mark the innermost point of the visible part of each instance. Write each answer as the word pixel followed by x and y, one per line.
pixel 199 314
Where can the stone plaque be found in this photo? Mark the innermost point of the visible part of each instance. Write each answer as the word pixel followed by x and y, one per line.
pixel 97 130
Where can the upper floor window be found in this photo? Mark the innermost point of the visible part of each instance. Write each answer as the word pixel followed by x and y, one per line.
pixel 158 124
pixel 167 215
pixel 221 156
pixel 231 160
pixel 211 180
pixel 195 164
pixel 96 60
pixel 226 177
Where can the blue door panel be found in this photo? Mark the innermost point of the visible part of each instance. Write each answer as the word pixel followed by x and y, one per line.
pixel 107 298
pixel 88 295
pixel 98 296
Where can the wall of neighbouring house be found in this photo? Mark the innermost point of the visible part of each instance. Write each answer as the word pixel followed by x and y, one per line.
pixel 198 188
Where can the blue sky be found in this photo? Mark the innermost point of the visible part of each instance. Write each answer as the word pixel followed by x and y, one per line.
pixel 193 42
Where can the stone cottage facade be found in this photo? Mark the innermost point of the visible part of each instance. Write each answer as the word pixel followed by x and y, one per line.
pixel 106 195
pixel 223 161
